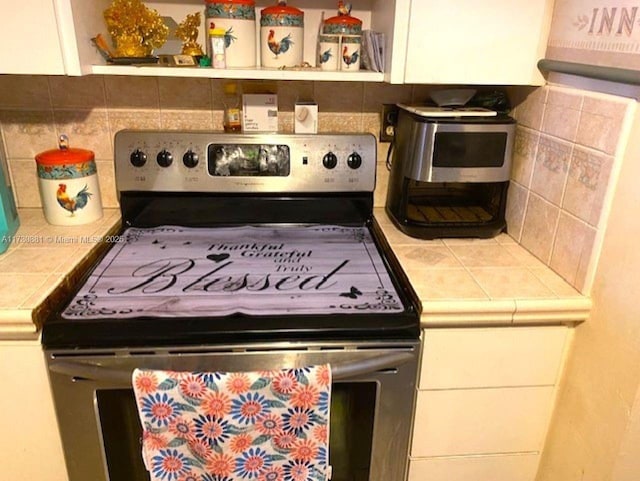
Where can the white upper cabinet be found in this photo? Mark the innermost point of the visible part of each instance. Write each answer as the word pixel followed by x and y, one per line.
pixel 29 42
pixel 495 42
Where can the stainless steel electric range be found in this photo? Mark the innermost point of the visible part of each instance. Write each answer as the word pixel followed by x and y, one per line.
pixel 238 253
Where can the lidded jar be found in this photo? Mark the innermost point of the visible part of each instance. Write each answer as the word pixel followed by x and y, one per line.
pixel 343 23
pixel 68 184
pixel 281 36
pixel 238 20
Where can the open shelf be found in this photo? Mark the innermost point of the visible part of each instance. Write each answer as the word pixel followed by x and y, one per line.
pixel 240 73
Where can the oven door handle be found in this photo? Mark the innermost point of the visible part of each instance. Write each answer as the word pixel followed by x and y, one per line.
pixel 92 372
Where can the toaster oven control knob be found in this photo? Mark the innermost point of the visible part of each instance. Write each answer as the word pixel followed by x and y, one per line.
pixel 330 160
pixel 165 159
pixel 354 160
pixel 190 159
pixel 138 158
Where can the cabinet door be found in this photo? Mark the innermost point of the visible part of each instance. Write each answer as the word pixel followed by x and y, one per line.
pixel 481 421
pixel 471 42
pixel 492 357
pixel 30 446
pixel 511 467
pixel 29 42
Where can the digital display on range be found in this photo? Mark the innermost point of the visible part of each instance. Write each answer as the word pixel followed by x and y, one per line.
pixel 248 160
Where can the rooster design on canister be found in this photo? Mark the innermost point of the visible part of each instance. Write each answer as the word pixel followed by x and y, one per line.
pixel 278 47
pixel 324 58
pixel 349 59
pixel 72 204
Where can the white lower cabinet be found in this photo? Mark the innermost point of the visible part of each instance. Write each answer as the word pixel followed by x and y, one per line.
pixel 30 446
pixel 484 402
pixel 516 467
pixel 479 421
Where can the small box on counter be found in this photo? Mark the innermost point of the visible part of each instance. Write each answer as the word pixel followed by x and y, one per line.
pixel 305 118
pixel 260 113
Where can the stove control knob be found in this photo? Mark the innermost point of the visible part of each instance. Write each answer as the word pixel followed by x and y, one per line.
pixel 190 159
pixel 165 159
pixel 354 160
pixel 138 158
pixel 330 160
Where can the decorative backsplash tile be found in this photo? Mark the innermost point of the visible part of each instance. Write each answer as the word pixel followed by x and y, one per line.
pixel 87 129
pixel 557 215
pixel 133 119
pixel 587 184
pixel 28 132
pixel 524 154
pixel 551 168
pixel 186 119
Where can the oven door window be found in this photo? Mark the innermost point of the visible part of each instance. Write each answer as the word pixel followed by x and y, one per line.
pixel 248 160
pixel 469 149
pixel 350 441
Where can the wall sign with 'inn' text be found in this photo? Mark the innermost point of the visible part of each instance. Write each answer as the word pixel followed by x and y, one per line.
pixel 596 33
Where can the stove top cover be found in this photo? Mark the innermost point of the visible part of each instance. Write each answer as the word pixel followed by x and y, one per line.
pixel 180 272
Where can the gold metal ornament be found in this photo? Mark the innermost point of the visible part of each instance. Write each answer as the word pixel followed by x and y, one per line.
pixel 135 29
pixel 187 31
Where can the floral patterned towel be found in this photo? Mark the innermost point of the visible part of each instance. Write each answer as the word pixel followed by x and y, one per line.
pixel 215 426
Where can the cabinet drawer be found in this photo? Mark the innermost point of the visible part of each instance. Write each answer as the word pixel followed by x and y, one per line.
pixel 518 467
pixel 481 421
pixel 491 357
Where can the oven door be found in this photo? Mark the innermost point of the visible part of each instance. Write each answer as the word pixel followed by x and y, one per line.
pixel 372 401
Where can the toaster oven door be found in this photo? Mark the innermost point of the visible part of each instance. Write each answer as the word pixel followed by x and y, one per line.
pixel 463 152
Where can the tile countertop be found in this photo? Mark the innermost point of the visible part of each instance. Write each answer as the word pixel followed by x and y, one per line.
pixel 482 281
pixel 39 265
pixel 458 281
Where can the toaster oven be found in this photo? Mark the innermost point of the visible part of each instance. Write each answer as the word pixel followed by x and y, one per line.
pixel 450 172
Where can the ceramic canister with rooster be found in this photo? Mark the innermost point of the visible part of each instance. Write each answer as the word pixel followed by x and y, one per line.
pixel 349 30
pixel 329 54
pixel 238 20
pixel 68 183
pixel 281 36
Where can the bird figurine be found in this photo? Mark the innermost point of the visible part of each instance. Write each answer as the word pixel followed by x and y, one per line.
pixel 344 8
pixel 278 47
pixel 349 59
pixel 324 57
pixel 72 204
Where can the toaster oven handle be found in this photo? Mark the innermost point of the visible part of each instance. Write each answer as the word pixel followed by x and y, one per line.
pixel 92 372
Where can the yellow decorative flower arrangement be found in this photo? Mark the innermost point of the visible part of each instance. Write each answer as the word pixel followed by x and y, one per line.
pixel 135 29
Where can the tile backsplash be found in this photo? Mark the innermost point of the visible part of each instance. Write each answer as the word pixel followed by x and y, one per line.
pixel 566 151
pixel 34 110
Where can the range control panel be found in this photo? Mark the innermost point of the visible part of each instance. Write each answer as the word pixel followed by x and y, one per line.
pixel 177 161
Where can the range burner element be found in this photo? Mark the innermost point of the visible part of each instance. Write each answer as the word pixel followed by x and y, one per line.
pixel 172 271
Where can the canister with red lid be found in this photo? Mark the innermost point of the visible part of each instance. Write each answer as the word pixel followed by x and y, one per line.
pixel 238 20
pixel 68 183
pixel 281 36
pixel 348 32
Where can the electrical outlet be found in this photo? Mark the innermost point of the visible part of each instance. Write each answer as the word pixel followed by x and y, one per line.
pixel 388 122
